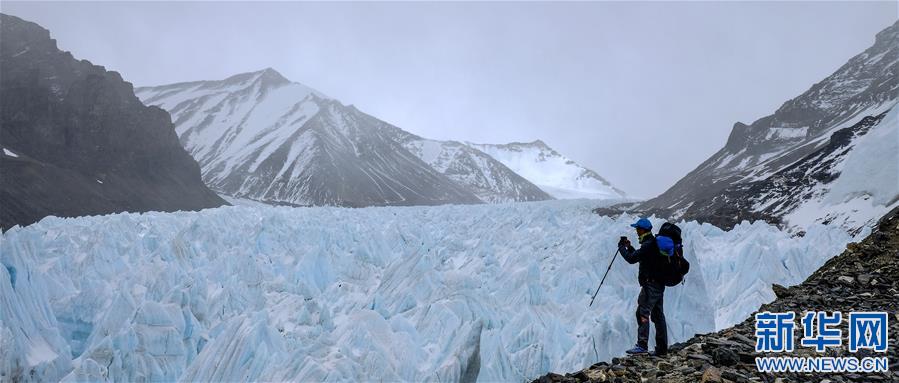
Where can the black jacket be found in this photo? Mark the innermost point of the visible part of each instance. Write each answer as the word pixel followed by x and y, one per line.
pixel 651 261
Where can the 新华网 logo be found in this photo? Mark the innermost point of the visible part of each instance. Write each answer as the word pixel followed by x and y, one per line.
pixel 775 333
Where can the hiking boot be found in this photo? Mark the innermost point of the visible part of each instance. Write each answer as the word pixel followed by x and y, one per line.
pixel 637 350
pixel 659 353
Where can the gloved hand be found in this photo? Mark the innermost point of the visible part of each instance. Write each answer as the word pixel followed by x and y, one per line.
pixel 624 242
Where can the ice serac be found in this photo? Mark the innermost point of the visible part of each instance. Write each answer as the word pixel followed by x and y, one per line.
pixel 259 136
pixel 787 167
pixel 488 178
pixel 491 292
pixel 76 141
pixel 32 347
pixel 551 171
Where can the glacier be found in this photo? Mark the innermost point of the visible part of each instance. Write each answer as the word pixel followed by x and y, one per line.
pixel 449 293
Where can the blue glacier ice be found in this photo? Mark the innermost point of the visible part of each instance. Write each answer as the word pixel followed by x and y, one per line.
pixel 448 293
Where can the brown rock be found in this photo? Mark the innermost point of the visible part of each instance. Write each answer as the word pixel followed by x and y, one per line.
pixel 711 375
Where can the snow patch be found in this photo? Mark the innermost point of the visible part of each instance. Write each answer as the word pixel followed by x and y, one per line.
pixel 872 167
pixel 786 133
pixel 867 186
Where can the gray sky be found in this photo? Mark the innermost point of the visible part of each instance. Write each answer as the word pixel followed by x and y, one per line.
pixel 640 92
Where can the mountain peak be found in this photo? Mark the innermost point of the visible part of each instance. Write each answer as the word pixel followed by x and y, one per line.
pixel 270 73
pixel 538 143
pixel 782 167
pixel 282 142
pixel 268 76
pixel 887 34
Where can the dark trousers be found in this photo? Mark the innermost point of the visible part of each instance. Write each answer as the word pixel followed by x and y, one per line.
pixel 649 307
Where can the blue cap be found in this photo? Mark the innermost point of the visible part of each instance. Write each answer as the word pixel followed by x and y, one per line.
pixel 643 223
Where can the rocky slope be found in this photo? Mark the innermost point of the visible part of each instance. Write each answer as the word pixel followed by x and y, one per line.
pixel 788 162
pixel 76 141
pixel 260 136
pixel 551 171
pixel 810 190
pixel 865 277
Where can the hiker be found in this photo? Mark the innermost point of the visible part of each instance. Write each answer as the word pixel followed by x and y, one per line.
pixel 652 287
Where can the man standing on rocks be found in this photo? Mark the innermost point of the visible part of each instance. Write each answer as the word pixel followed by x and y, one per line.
pixel 652 290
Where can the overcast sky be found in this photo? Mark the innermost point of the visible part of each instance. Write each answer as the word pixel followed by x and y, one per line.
pixel 640 92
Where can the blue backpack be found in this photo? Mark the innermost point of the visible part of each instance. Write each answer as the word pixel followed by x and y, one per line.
pixel 671 247
pixel 666 245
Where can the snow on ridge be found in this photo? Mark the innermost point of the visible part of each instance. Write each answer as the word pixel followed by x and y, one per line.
pixel 287 105
pixel 491 180
pixel 268 78
pixel 864 86
pixel 234 126
pixel 260 136
pixel 333 294
pixel 868 182
pixel 783 133
pixel 551 171
pixel 872 167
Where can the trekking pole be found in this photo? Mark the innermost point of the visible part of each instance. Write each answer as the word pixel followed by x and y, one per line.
pixel 603 277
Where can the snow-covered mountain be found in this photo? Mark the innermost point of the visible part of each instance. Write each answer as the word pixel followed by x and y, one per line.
pixel 488 178
pixel 554 173
pixel 258 135
pixel 829 155
pixel 442 293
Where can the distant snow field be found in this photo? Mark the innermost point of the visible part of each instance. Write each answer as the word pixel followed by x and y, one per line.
pixel 868 185
pixel 554 173
pixel 445 293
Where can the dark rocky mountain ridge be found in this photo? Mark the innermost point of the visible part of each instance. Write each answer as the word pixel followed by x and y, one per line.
pixel 76 141
pixel 745 178
pixel 769 199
